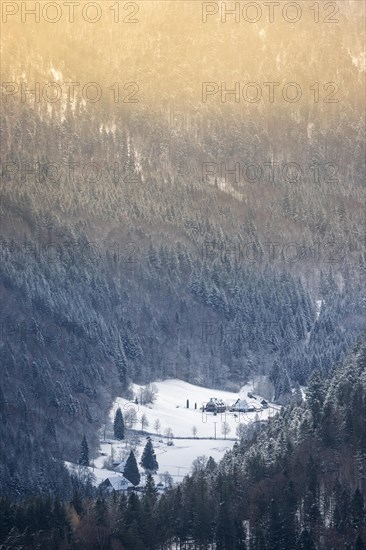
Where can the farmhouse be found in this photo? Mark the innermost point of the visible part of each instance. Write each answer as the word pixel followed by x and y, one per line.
pixel 242 405
pixel 215 405
pixel 117 483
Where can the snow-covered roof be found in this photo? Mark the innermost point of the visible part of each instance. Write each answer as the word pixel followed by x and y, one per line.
pixel 121 466
pixel 216 401
pixel 118 483
pixel 242 403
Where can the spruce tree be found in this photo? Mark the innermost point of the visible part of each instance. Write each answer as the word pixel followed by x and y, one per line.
pixel 131 471
pixel 225 527
pixel 84 453
pixel 100 512
pixel 76 502
pixel 315 396
pixel 148 459
pixel 149 527
pixel 133 510
pixel 119 425
pixel 122 367
pixel 211 465
pixel 151 491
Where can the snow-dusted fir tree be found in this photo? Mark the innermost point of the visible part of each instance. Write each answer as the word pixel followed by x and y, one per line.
pixel 119 425
pixel 131 471
pixel 84 453
pixel 122 365
pixel 148 459
pixel 315 395
pixel 150 493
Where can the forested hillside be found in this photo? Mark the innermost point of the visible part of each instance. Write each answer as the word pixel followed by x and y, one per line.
pixel 300 484
pixel 127 252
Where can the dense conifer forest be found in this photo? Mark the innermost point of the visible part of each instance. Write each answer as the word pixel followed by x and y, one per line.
pixel 153 234
pixel 300 483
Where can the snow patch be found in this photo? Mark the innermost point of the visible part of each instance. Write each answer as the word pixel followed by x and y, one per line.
pixel 318 307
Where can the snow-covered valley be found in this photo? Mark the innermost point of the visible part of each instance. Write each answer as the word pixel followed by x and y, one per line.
pixel 193 432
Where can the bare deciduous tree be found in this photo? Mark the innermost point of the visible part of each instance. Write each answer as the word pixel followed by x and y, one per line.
pixel 130 416
pixel 144 422
pixel 241 430
pixel 225 429
pixel 169 434
pixel 157 426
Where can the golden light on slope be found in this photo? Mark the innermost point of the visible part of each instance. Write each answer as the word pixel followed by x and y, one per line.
pixel 169 49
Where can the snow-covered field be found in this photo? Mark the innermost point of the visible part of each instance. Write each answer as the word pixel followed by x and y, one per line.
pixel 171 411
pixel 177 459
